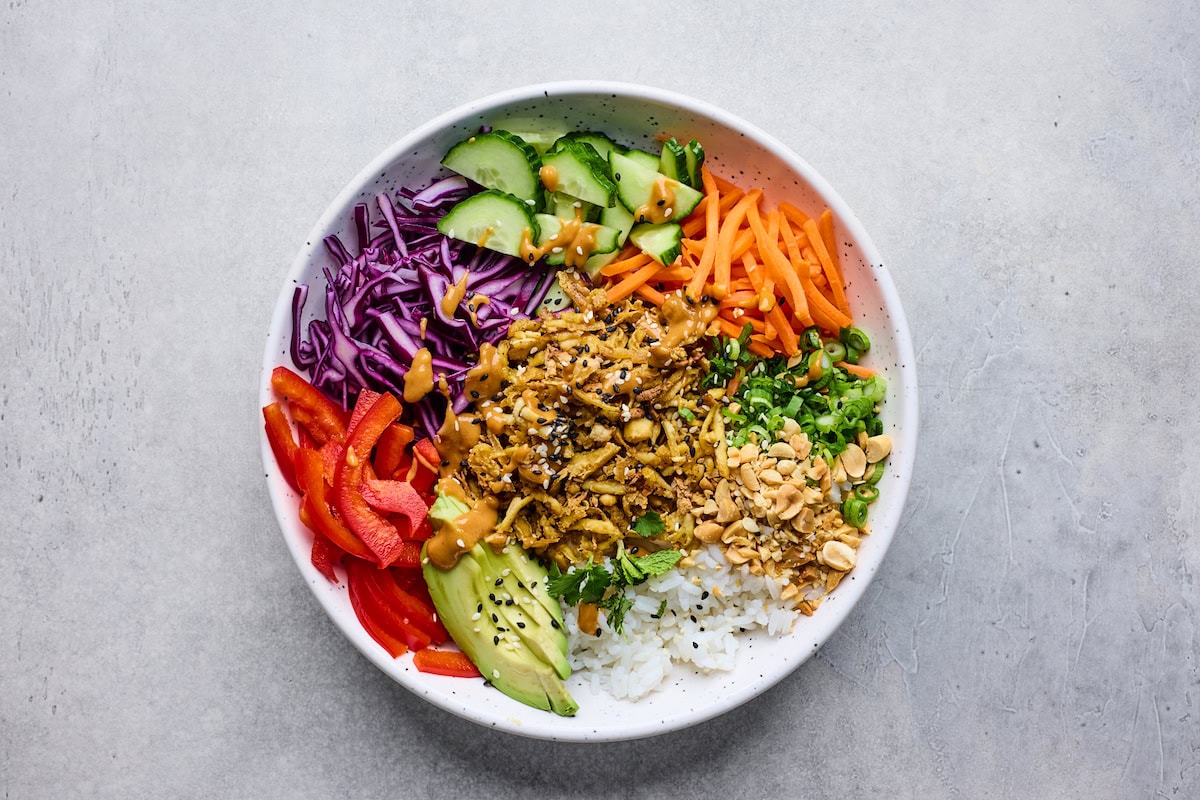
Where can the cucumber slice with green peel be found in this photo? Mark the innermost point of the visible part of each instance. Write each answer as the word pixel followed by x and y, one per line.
pixel 605 239
pixel 599 141
pixel 640 190
pixel 673 161
pixel 555 300
pixel 580 172
pixel 618 217
pixel 498 160
pixel 663 243
pixel 647 160
pixel 491 219
pixel 563 205
pixel 694 154
pixel 598 262
pixel 540 141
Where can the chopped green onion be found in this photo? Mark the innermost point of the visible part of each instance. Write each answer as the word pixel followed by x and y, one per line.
pixel 835 350
pixel 873 473
pixel 854 511
pixel 866 492
pixel 687 414
pixel 854 337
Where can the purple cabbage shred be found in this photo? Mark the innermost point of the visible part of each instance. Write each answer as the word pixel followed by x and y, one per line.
pixel 385 303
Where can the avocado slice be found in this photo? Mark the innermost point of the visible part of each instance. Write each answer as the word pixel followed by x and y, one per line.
pixel 496 608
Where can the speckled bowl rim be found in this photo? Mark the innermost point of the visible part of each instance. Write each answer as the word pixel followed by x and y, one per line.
pixel 537 724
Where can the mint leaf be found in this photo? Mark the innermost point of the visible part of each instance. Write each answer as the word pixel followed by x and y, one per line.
pixel 653 564
pixel 649 525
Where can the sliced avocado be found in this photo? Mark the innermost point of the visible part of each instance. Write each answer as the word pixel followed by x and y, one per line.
pixel 495 607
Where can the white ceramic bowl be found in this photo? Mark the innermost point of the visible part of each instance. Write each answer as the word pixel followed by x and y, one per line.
pixel 735 150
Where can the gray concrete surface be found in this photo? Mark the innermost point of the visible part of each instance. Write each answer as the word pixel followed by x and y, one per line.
pixel 1031 172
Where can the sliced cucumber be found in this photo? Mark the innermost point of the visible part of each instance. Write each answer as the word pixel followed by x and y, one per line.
pixel 619 217
pixel 491 219
pixel 580 172
pixel 695 160
pixel 604 239
pixel 640 190
pixel 598 262
pixel 498 160
pixel 540 141
pixel 599 141
pixel 647 160
pixel 673 161
pixel 555 300
pixel 563 205
pixel 663 243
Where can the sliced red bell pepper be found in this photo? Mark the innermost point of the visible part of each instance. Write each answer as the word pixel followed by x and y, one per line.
pixel 377 606
pixel 426 452
pixel 310 474
pixel 411 609
pixel 366 399
pixel 279 435
pixel 410 557
pixel 391 452
pixel 395 497
pixel 323 418
pixel 445 662
pixel 363 605
pixel 324 555
pixel 373 530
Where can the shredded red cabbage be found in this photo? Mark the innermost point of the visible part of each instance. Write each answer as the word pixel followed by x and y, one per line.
pixel 376 300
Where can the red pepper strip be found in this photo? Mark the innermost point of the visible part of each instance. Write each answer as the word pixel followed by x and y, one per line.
pixel 375 532
pixel 324 419
pixel 331 456
pixel 311 477
pixel 412 581
pixel 390 453
pixel 396 497
pixel 360 601
pixel 445 662
pixel 423 531
pixel 380 607
pixel 410 557
pixel 426 453
pixel 324 555
pixel 411 609
pixel 366 399
pixel 279 434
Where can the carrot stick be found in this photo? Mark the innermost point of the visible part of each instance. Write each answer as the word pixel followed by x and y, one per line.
pixel 635 279
pixel 649 293
pixel 817 239
pixel 625 264
pixel 712 221
pixel 725 239
pixel 823 312
pixel 856 369
pixel 780 270
pixel 793 214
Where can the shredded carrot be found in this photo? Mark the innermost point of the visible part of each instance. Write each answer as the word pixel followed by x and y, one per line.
pixel 826 247
pixel 856 369
pixel 625 264
pixel 774 269
pixel 635 279
pixel 824 313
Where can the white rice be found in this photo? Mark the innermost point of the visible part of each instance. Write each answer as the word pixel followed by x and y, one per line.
pixel 708 605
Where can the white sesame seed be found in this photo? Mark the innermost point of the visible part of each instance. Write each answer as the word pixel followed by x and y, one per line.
pixel 460 543
pixel 495 673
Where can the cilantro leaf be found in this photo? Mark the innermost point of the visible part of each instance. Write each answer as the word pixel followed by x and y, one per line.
pixel 616 605
pixel 649 525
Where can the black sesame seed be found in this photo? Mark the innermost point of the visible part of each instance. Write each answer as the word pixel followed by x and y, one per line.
pixel 704 596
pixel 495 640
pixel 695 645
pixel 495 618
pixel 554 624
pixel 508 602
pixel 499 581
pixel 521 625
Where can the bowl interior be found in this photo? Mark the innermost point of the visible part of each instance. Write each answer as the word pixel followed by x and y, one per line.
pixel 742 154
